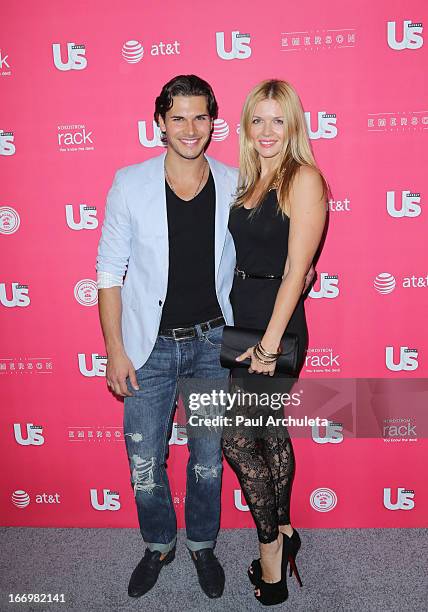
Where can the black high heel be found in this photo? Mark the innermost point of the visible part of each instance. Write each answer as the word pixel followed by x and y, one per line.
pixel 294 543
pixel 255 572
pixel 273 593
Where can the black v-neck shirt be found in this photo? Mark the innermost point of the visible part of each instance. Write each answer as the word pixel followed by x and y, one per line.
pixel 191 296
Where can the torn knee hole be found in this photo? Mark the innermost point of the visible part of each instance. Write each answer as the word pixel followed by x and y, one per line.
pixel 143 474
pixel 204 471
pixel 135 437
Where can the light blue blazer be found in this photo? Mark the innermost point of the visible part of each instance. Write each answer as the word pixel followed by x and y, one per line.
pixel 134 237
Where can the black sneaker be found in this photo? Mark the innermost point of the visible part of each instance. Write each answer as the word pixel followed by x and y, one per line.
pixel 146 573
pixel 210 572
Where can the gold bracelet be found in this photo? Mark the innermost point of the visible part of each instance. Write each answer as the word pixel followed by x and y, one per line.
pixel 266 353
pixel 263 356
pixel 260 357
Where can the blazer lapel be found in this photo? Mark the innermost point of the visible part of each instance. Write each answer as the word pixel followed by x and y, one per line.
pixel 223 198
pixel 156 197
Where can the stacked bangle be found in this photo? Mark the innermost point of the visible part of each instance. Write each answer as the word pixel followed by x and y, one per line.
pixel 264 356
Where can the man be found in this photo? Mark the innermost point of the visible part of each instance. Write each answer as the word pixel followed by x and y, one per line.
pixel 166 227
pixel 166 221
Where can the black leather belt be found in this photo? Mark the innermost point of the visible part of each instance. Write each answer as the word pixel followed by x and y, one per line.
pixel 242 274
pixel 182 333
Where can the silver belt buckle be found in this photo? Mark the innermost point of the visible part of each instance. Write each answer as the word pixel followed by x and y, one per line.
pixel 177 329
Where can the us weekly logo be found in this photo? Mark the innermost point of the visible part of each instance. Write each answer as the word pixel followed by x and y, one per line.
pixel 32 435
pixel 7 143
pixel 13 295
pixel 321 126
pixel 69 56
pixel 404 35
pixel 401 359
pixel 328 287
pixel 406 203
pixel 238 45
pixel 85 218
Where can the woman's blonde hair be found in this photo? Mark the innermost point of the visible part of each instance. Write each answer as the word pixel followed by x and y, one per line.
pixel 297 149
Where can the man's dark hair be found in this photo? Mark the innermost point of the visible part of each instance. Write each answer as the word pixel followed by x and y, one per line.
pixel 184 85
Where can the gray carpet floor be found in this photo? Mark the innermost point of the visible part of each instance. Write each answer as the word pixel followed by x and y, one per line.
pixel 360 570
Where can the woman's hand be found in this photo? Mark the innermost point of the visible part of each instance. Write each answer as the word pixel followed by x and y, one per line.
pixel 257 367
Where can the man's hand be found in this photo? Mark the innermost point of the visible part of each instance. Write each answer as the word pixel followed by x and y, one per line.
pixel 309 277
pixel 119 367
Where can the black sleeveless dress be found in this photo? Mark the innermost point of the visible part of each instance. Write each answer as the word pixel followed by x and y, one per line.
pixel 261 455
pixel 261 243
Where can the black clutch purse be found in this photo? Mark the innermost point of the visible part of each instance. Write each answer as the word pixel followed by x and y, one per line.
pixel 236 340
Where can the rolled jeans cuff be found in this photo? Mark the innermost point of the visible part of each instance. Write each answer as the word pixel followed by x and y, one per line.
pixel 162 548
pixel 194 546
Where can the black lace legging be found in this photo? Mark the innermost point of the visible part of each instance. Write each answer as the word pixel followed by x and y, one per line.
pixel 261 456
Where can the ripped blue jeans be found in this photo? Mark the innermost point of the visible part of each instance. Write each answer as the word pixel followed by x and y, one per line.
pixel 148 417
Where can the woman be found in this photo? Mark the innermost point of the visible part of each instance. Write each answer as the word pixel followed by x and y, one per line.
pixel 277 222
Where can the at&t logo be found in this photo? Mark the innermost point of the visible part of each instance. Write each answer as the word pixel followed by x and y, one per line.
pixel 132 51
pixel 74 55
pixel 333 434
pixel 97 368
pixel 328 287
pixel 323 499
pixel 238 501
pixel 110 500
pixel 410 204
pixel 411 37
pixel 220 131
pixel 384 283
pixel 408 359
pixel 155 138
pixel 326 127
pixel 9 220
pixel 339 205
pixel 6 143
pixel 19 298
pixel 21 499
pixel 87 218
pixel 404 499
pixel 33 437
pixel 86 292
pixel 239 48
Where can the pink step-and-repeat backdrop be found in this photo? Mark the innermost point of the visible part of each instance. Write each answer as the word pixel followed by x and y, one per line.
pixel 78 82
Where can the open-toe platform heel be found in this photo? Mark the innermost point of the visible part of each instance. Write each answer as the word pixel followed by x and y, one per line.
pixel 273 593
pixel 255 572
